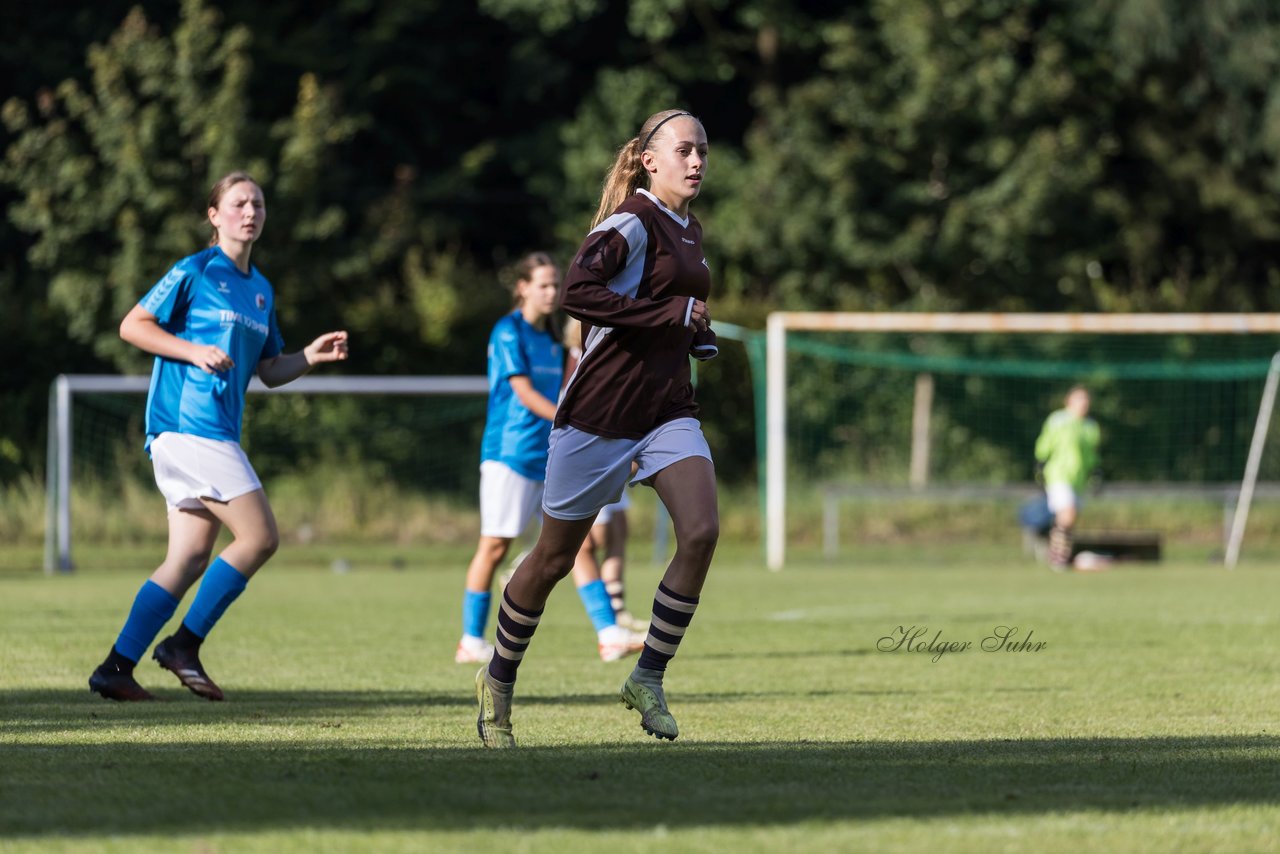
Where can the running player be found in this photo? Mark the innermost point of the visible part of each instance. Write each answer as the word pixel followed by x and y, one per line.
pixel 211 324
pixel 639 285
pixel 1067 448
pixel 526 366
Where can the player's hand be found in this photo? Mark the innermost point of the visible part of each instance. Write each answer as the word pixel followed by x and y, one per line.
pixel 329 347
pixel 211 359
pixel 700 315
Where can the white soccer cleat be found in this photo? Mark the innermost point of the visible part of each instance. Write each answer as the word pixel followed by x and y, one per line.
pixel 473 651
pixel 617 643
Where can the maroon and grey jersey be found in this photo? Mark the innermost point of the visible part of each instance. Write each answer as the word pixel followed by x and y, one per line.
pixel 632 285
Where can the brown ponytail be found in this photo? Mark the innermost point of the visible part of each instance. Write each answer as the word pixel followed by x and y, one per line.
pixel 226 182
pixel 522 271
pixel 627 172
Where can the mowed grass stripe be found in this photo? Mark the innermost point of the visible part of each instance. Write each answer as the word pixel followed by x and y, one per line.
pixel 1147 721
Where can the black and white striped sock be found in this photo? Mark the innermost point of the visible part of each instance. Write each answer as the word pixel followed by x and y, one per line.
pixel 516 626
pixel 671 616
pixel 617 595
pixel 1059 546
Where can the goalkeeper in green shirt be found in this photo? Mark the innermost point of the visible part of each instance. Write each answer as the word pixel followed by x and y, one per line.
pixel 1067 451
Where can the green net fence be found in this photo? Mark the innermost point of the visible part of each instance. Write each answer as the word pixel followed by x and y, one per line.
pixel 1176 412
pixel 1172 409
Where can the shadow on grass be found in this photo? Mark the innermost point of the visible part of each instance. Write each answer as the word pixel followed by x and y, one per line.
pixel 94 789
pixel 53 710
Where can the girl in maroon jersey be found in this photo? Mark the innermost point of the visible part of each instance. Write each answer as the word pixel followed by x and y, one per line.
pixel 639 284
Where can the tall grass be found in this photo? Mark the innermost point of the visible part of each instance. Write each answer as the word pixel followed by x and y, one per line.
pixel 348 504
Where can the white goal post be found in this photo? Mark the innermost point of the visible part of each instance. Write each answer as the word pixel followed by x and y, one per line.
pixel 57 553
pixel 780 323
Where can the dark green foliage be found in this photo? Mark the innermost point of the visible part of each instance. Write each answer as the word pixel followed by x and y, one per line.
pixel 977 154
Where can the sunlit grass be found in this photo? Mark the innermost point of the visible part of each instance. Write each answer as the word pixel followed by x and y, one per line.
pixel 1147 722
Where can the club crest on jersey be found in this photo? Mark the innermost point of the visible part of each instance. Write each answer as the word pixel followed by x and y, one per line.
pixel 261 302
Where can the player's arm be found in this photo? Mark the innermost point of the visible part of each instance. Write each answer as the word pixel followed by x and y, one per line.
pixel 142 329
pixel 1091 458
pixel 532 399
pixel 1045 442
pixel 287 367
pixel 587 296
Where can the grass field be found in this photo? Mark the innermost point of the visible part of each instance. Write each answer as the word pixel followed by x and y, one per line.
pixel 1150 720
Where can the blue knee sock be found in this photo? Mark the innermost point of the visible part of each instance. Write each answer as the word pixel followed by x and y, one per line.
pixel 475 612
pixel 221 585
pixel 595 598
pixel 152 608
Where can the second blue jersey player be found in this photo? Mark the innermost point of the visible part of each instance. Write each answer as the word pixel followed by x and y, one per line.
pixel 211 324
pixel 526 366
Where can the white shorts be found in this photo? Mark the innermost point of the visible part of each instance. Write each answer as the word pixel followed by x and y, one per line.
pixel 619 506
pixel 507 500
pixel 188 468
pixel 1061 497
pixel 585 472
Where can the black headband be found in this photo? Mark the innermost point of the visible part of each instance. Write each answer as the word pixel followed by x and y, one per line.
pixel 648 139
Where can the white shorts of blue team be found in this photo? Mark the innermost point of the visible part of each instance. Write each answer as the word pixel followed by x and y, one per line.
pixel 608 511
pixel 585 472
pixel 1061 496
pixel 508 500
pixel 190 468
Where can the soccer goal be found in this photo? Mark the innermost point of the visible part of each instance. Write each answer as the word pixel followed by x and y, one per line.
pixel 421 430
pixel 895 427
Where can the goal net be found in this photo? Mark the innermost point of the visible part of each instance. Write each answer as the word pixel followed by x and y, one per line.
pixel 340 457
pixel 918 428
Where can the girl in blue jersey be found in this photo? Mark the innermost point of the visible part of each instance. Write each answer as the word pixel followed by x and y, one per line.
pixel 526 366
pixel 211 323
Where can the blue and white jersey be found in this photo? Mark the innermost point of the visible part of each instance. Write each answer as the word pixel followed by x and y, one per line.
pixel 513 435
pixel 205 299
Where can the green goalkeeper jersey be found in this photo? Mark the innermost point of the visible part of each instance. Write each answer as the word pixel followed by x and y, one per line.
pixel 1068 447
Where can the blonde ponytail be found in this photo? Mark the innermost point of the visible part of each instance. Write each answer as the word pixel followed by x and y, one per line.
pixel 627 171
pixel 621 182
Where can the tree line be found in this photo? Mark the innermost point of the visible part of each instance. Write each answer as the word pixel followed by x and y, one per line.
pixel 893 154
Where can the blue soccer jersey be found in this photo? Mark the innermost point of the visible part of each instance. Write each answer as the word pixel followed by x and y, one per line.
pixel 207 300
pixel 513 435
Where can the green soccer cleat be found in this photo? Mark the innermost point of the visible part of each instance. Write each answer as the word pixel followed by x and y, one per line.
pixel 644 694
pixel 494 720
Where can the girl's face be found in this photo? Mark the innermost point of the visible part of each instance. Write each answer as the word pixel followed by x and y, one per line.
pixel 240 214
pixel 538 292
pixel 676 161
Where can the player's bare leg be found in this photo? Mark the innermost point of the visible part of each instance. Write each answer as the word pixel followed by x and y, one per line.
pixel 688 489
pixel 256 538
pixel 522 602
pixel 489 554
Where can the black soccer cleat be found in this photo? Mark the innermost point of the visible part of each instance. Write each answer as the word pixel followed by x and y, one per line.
pixel 114 684
pixel 185 664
